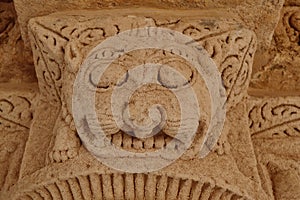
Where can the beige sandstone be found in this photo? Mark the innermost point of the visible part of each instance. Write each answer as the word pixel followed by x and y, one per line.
pixel 17 107
pixel 281 71
pixel 42 156
pixel 12 48
pixel 261 16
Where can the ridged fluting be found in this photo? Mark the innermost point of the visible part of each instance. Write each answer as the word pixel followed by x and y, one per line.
pixel 130 186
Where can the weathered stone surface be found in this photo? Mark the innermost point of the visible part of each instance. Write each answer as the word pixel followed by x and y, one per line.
pixel 274 117
pixel 274 126
pixel 84 175
pixel 61 42
pixel 261 16
pixel 15 64
pixel 280 75
pixel 257 154
pixel 278 170
pixel 16 114
pixel 292 3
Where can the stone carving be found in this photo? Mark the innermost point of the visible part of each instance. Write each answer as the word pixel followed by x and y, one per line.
pixel 260 16
pixel 281 72
pixel 64 131
pixel 12 44
pixel 278 165
pixel 60 42
pixel 130 186
pixel 292 25
pixel 286 189
pixel 229 54
pixel 274 125
pixel 275 117
pixel 5 153
pixel 16 114
pixel 69 42
pixel 256 157
pixel 278 160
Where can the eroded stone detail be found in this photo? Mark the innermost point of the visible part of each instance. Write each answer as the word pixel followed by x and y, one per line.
pixel 132 186
pixel 16 114
pixel 278 165
pixel 64 130
pixel 274 125
pixel 281 72
pixel 60 167
pixel 275 117
pixel 59 49
pixel 291 22
pixel 15 64
pixel 260 16
pixel 233 53
pixel 60 43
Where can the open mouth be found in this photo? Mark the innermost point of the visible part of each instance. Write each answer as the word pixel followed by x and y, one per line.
pixel 134 144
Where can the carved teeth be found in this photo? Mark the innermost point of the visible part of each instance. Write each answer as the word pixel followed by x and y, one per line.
pixel 128 142
pixel 159 141
pixel 148 143
pixel 117 139
pixel 137 144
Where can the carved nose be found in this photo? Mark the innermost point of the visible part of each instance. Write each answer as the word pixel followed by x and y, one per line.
pixel 145 126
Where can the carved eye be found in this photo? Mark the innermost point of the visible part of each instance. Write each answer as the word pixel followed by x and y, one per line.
pixel 103 84
pixel 109 79
pixel 171 78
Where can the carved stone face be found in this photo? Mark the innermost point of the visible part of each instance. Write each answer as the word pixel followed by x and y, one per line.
pixel 61 43
pixel 44 156
pixel 227 48
pixel 118 74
